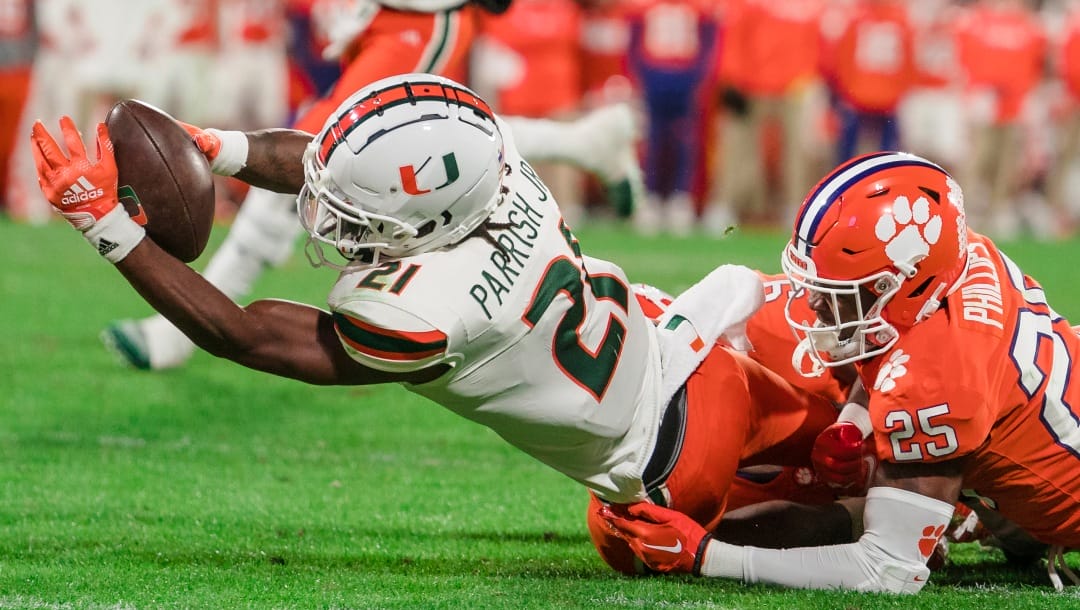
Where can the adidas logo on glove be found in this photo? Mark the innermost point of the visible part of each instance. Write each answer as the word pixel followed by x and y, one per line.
pixel 83 190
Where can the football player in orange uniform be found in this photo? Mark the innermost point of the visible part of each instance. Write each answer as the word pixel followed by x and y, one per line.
pixel 969 374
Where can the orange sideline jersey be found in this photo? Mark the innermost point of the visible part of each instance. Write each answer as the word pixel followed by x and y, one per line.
pixel 874 58
pixel 1069 59
pixel 767 46
pixel 935 55
pixel 605 33
pixel 545 34
pixel 989 377
pixel 398 42
pixel 1002 51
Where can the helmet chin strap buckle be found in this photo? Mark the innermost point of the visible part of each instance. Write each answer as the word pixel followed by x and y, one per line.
pixel 803 353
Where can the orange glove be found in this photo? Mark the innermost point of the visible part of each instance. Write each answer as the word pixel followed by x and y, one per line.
pixel 843 458
pixel 207 143
pixel 84 191
pixel 225 150
pixel 665 540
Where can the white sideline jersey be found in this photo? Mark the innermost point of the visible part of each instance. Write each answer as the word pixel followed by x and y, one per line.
pixel 549 349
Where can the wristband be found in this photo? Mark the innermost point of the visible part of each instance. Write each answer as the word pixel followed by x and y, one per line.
pixel 857 414
pixel 115 235
pixel 723 560
pixel 699 555
pixel 232 157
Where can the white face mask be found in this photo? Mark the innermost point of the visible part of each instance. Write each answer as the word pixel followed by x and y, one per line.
pixel 863 333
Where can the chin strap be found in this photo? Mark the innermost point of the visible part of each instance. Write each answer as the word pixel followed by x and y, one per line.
pixel 803 353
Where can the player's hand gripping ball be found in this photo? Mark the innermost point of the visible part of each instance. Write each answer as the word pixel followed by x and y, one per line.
pixel 165 181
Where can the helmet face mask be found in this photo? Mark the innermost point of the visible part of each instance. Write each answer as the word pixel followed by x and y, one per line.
pixel 877 246
pixel 849 325
pixel 409 164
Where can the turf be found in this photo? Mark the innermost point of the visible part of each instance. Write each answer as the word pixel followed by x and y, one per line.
pixel 217 487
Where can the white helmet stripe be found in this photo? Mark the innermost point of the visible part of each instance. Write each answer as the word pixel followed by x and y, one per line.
pixel 822 198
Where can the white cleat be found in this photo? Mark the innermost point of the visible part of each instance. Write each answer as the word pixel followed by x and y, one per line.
pixel 609 137
pixel 647 218
pixel 681 216
pixel 718 221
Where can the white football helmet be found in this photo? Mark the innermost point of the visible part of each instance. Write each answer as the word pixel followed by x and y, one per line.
pixel 408 164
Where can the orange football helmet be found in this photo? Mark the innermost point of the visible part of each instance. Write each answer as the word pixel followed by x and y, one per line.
pixel 881 240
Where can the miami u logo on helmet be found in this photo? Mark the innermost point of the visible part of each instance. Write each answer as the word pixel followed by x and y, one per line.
pixel 408 175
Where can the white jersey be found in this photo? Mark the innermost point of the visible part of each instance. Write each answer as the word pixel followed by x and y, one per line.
pixel 548 348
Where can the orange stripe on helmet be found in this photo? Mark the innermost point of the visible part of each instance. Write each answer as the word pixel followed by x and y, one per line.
pixel 409 92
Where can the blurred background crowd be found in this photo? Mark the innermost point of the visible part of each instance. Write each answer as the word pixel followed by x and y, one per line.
pixel 741 104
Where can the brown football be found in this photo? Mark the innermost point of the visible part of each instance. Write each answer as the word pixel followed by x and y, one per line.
pixel 165 181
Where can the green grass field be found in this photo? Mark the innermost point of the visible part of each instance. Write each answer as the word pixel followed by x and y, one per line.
pixel 218 487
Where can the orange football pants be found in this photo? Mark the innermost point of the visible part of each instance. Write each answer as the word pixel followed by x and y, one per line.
pixel 738 413
pixel 398 42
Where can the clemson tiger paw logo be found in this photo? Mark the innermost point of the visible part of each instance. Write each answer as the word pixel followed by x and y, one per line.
pixel 908 229
pixel 929 540
pixel 893 369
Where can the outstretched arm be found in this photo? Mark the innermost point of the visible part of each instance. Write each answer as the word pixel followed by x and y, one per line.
pixel 269 158
pixel 905 513
pixel 279 337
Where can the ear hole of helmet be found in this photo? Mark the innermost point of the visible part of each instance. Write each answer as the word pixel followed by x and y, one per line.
pixel 426 228
pixel 921 288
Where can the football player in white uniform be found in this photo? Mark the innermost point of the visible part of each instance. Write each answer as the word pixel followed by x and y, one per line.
pixel 372 40
pixel 462 282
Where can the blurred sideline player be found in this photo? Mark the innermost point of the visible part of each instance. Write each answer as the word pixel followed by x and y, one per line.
pixel 871 69
pixel 461 281
pixel 374 40
pixel 95 52
pixel 252 68
pixel 526 63
pixel 18 43
pixel 1002 47
pixel 672 56
pixel 768 74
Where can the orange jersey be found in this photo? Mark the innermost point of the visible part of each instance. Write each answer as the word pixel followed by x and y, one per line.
pixel 1069 58
pixel 873 60
pixel 738 413
pixel 1002 51
pixel 768 47
pixel 935 56
pixel 398 42
pixel 605 34
pixel 773 343
pixel 990 376
pixel 771 340
pixel 544 34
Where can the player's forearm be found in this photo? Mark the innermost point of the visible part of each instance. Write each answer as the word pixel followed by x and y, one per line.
pixel 275 160
pixel 278 337
pixel 208 317
pixel 900 527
